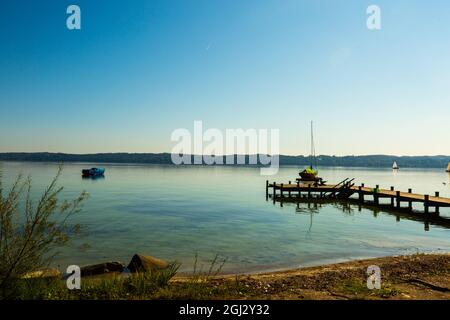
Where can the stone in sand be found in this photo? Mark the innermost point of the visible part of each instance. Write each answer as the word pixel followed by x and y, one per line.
pixel 142 263
pixel 45 273
pixel 102 268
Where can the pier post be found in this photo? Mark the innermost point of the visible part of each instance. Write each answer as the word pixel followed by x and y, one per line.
pixel 267 190
pixel 309 190
pixel 436 194
pixel 289 191
pixel 397 197
pixel 375 195
pixel 392 198
pixel 298 189
pixel 427 199
pixel 361 195
pixel 274 192
pixel 410 202
pixel 281 191
pixel 362 185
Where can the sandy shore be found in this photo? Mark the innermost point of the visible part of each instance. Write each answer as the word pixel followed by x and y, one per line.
pixel 422 276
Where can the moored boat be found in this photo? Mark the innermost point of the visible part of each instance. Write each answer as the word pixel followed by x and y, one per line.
pixel 395 166
pixel 93 172
pixel 311 174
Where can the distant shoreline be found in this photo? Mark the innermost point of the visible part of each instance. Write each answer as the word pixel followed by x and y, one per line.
pixel 365 161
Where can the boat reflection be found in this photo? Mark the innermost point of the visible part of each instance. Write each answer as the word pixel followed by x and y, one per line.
pixel 93 178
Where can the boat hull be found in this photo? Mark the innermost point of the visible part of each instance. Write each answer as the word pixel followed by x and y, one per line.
pixel 308 176
pixel 93 172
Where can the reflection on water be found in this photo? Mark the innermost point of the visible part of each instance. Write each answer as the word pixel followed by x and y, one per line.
pixel 93 178
pixel 315 205
pixel 312 206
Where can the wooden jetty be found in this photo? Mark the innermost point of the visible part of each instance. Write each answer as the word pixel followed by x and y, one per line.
pixel 346 188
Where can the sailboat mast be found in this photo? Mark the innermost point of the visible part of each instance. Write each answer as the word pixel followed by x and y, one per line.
pixel 312 147
pixel 313 160
pixel 312 157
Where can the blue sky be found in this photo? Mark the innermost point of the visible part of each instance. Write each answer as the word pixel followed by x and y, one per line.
pixel 137 70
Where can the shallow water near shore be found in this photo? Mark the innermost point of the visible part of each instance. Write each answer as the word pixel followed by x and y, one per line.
pixel 174 213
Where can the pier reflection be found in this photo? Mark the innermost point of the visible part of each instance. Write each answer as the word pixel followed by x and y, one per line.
pixel 313 206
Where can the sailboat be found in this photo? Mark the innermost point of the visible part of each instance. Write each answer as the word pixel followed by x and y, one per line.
pixel 448 167
pixel 310 174
pixel 395 166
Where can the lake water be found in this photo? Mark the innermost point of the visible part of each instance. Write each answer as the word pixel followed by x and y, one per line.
pixel 175 212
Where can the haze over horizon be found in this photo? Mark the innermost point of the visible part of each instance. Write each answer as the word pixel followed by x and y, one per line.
pixel 137 71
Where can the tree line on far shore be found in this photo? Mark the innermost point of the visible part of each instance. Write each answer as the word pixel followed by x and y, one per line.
pixel 373 161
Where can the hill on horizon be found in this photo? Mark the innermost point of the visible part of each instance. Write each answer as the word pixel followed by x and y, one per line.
pixel 376 161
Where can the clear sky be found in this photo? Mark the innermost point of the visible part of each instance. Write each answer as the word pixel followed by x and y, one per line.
pixel 139 69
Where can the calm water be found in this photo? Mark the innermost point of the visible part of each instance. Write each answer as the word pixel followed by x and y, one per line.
pixel 175 212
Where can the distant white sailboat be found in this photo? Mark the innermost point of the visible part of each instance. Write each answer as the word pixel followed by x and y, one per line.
pixel 395 166
pixel 448 167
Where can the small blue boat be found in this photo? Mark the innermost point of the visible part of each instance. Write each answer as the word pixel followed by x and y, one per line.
pixel 93 172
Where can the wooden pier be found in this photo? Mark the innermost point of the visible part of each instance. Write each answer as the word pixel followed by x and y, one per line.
pixel 346 188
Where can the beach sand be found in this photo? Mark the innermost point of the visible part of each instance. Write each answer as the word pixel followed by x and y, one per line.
pixel 420 276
